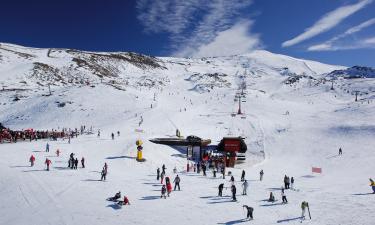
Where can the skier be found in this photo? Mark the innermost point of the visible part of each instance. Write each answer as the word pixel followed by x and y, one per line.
pixel 245 185
pixel 372 184
pixel 83 162
pixel 233 189
pixel 243 175
pixel 162 177
pixel 204 169
pixel 125 202
pixel 98 133
pixel 292 183
pixel 105 167
pixel 113 136
pixel 304 205
pixel 47 147
pixel 118 133
pixel 261 175
pixel 116 197
pixel 176 182
pixel 249 211
pixel 283 196
pixel 221 186
pixel 169 186
pixel 340 151
pixel 157 174
pixel 272 197
pixel 285 182
pixel 175 170
pixel 232 180
pixel 214 171
pixel 57 152
pixel 163 191
pixel 48 162
pixel 288 182
pixel 32 160
pixel 163 168
pixel 104 174
pixel 76 163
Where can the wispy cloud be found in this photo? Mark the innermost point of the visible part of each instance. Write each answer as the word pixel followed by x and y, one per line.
pixel 233 41
pixel 194 26
pixel 331 45
pixel 327 22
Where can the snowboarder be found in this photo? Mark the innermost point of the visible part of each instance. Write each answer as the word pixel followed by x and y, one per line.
pixel 283 196
pixel 48 162
pixel 249 211
pixel 261 175
pixel 176 182
pixel 304 206
pixel 372 184
pixel 75 163
pixel 233 189
pixel 83 162
pixel 47 147
pixel 243 175
pixel 157 174
pixel 32 160
pixel 245 185
pixel 221 186
pixel 57 152
pixel 340 151
pixel 163 191
pixel 104 174
pixel 271 198
pixel 113 136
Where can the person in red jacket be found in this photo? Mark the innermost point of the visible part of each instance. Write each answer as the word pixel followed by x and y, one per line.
pixel 32 160
pixel 126 201
pixel 48 162
pixel 169 186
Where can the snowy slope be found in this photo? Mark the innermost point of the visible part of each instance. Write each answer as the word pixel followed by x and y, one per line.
pixel 112 93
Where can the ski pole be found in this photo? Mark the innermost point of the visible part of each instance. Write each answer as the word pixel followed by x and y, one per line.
pixel 308 209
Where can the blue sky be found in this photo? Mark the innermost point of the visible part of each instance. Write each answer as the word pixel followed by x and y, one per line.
pixel 335 32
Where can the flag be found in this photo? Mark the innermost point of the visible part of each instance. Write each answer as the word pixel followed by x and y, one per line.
pixel 316 170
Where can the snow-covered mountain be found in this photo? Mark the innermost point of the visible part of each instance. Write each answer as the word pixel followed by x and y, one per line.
pixel 295 114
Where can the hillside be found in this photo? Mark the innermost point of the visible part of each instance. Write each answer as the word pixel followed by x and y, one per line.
pixel 292 120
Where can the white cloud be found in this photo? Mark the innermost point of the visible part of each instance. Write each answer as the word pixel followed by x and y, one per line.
pixel 233 41
pixel 192 25
pixel 327 22
pixel 331 43
pixel 370 41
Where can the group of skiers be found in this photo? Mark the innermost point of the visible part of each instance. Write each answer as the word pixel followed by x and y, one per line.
pixel 73 163
pixel 288 182
pixel 117 197
pixel 166 188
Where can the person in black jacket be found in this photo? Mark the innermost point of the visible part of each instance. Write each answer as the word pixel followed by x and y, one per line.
pixel 157 174
pixel 221 186
pixel 249 211
pixel 243 175
pixel 234 190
